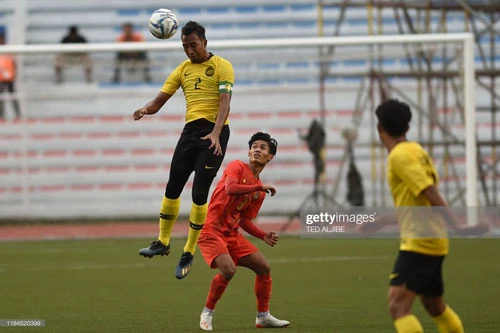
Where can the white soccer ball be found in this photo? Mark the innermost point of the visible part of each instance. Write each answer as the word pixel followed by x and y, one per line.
pixel 163 23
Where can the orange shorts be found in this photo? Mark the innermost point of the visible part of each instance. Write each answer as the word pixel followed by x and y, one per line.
pixel 213 243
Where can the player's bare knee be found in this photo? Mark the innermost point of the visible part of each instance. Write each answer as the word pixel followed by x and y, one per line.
pixel 266 268
pixel 434 306
pixel 397 309
pixel 228 271
pixel 399 306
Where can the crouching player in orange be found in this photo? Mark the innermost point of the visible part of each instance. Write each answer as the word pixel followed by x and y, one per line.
pixel 235 202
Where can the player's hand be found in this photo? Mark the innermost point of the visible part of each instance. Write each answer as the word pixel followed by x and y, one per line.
pixel 215 144
pixel 269 189
pixel 271 238
pixel 139 113
pixel 476 230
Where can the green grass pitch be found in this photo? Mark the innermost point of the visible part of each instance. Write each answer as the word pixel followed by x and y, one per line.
pixel 320 285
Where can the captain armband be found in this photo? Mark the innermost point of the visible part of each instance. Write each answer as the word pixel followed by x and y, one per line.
pixel 226 87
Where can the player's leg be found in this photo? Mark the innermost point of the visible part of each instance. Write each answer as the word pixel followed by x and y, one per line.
pixel 400 303
pixel 215 252
pixel 263 283
pixel 405 283
pixel 445 318
pixel 180 170
pixel 197 216
pixel 206 166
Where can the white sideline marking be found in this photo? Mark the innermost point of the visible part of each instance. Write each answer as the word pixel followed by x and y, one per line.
pixel 75 267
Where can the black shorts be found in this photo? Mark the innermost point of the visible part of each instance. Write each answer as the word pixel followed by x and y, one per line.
pixel 422 274
pixel 192 153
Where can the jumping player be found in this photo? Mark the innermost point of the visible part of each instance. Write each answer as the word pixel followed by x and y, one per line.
pixel 207 82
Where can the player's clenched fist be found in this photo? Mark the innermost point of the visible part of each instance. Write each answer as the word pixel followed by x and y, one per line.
pixel 138 114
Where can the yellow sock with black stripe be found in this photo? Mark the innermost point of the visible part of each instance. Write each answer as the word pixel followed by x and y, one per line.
pixel 197 217
pixel 449 322
pixel 169 212
pixel 408 324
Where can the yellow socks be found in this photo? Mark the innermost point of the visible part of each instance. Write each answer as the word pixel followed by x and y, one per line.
pixel 408 324
pixel 197 217
pixel 449 322
pixel 169 212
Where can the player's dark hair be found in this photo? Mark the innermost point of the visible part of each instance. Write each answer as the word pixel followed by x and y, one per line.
pixel 273 144
pixel 394 117
pixel 195 27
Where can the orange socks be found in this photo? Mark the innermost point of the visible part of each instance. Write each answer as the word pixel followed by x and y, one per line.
pixel 217 287
pixel 263 284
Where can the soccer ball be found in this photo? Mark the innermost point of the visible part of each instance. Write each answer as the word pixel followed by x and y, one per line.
pixel 163 23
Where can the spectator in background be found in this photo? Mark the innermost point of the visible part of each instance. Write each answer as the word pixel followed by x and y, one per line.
pixel 8 80
pixel 62 59
pixel 131 59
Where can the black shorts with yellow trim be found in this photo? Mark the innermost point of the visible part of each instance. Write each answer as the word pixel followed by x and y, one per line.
pixel 420 273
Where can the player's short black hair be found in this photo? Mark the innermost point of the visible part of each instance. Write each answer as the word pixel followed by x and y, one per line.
pixel 195 27
pixel 273 144
pixel 394 117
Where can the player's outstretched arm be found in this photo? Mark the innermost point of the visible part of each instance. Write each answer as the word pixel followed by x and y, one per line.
pixel 269 189
pixel 247 225
pixel 234 188
pixel 270 238
pixel 435 199
pixel 153 106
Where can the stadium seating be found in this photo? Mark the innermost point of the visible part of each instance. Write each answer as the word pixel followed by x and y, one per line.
pixel 85 156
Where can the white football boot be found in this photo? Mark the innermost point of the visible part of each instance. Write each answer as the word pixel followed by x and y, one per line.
pixel 270 322
pixel 206 320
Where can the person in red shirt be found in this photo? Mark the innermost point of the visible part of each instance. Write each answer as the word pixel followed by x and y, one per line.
pixel 131 59
pixel 7 80
pixel 235 202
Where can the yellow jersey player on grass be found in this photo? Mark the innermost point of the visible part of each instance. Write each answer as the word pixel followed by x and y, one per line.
pixel 413 182
pixel 207 82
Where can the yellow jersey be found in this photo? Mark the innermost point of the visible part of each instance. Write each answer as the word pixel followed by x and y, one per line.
pixel 410 170
pixel 202 85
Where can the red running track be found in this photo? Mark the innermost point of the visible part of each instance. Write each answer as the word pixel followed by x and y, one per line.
pixel 111 230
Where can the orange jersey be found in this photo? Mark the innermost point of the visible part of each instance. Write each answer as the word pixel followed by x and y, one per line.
pixel 135 37
pixel 7 68
pixel 224 210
